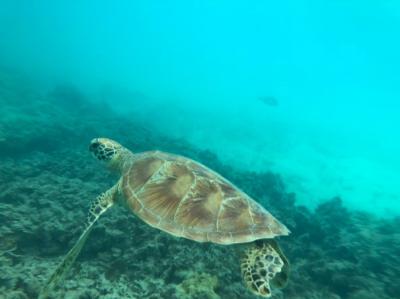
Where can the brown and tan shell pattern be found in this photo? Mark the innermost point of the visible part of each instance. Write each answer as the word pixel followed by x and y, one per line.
pixel 186 199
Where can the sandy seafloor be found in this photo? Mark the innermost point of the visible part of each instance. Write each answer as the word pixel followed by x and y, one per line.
pixel 48 178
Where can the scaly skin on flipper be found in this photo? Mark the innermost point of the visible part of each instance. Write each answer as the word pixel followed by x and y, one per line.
pixel 97 208
pixel 281 279
pixel 262 265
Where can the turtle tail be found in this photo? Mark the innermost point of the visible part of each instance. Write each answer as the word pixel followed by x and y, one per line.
pixel 264 265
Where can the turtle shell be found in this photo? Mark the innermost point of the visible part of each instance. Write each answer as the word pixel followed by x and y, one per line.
pixel 186 199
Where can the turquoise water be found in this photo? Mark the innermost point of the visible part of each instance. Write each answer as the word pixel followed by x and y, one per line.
pixel 296 102
pixel 198 70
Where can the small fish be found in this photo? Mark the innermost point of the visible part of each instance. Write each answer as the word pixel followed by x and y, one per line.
pixel 269 100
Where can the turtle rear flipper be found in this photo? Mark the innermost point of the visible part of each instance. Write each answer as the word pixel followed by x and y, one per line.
pixel 97 208
pixel 262 266
pixel 281 279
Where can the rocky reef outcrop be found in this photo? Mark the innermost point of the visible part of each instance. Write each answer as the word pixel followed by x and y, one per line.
pixel 48 179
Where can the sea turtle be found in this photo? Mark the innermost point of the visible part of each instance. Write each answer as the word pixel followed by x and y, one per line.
pixel 186 199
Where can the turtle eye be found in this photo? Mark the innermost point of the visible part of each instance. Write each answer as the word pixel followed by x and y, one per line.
pixel 94 146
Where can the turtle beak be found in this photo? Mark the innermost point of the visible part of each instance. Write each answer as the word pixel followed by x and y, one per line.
pixel 94 144
pixel 104 149
pixel 96 149
pixel 101 150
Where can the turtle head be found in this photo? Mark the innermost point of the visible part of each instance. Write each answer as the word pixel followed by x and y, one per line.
pixel 109 152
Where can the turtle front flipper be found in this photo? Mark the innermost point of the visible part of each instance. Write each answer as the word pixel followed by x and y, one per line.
pixel 102 203
pixel 264 265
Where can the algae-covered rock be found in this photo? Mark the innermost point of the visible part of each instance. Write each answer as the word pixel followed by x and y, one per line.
pixel 198 286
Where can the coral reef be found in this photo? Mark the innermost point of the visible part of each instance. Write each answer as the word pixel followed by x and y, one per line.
pixel 48 180
pixel 199 286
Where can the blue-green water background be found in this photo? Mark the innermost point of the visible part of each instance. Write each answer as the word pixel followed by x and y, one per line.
pixel 197 69
pixel 295 102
